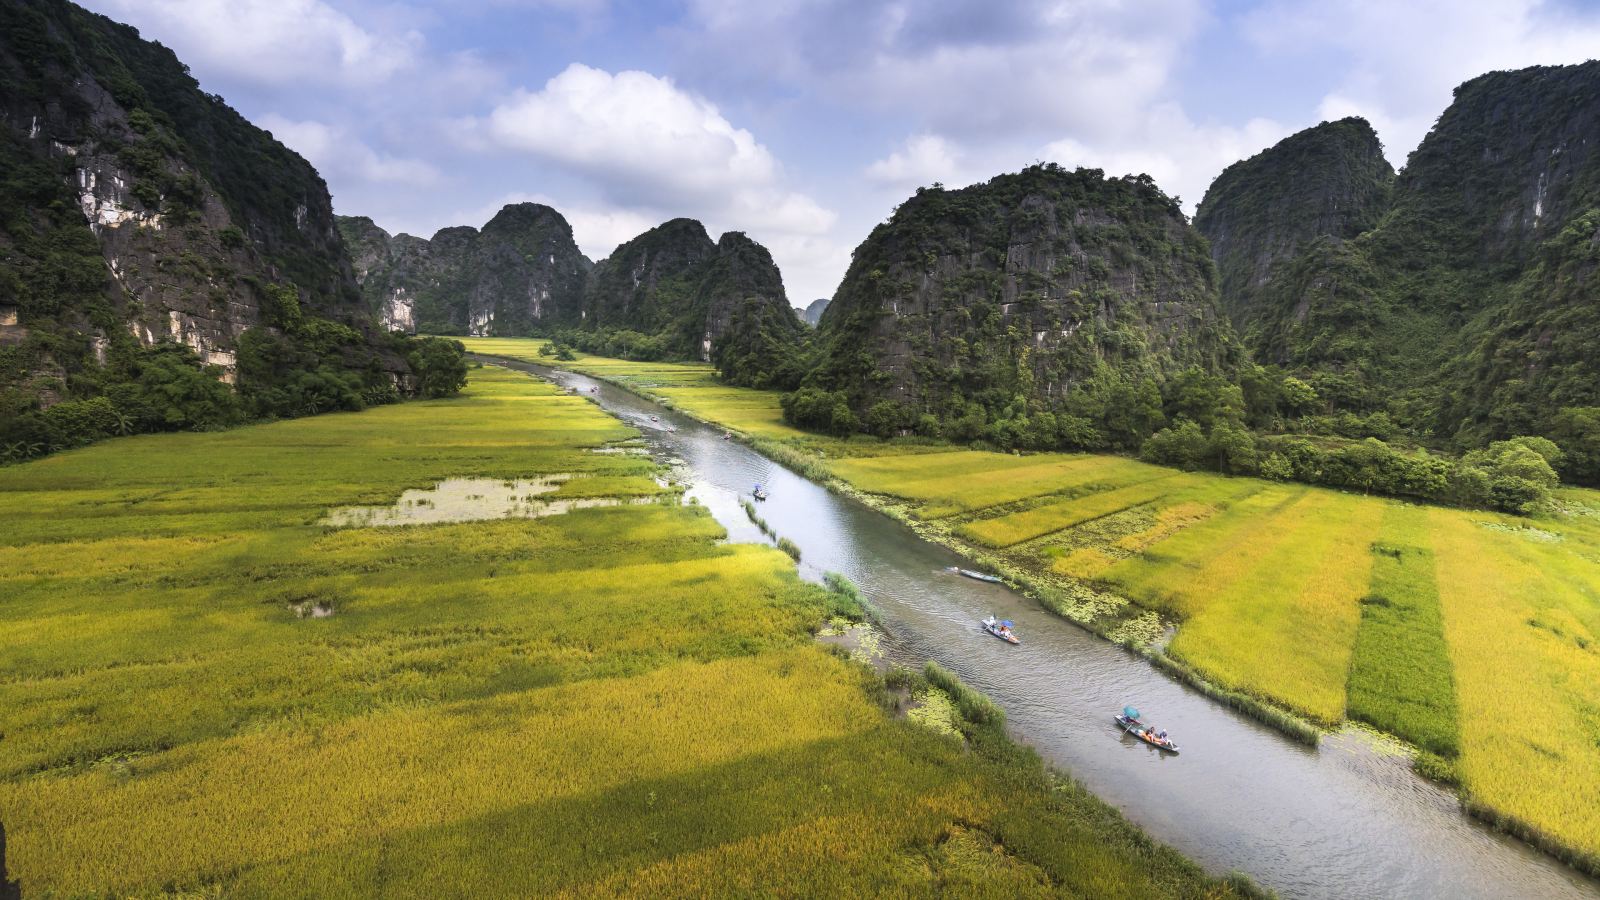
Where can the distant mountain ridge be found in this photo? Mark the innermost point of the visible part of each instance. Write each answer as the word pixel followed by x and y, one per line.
pixel 813 312
pixel 669 292
pixel 521 271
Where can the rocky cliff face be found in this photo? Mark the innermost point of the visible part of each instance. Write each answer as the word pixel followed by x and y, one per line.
pixel 673 282
pixel 1025 286
pixel 521 272
pixel 1330 181
pixel 813 312
pixel 139 210
pixel 373 255
pixel 1468 308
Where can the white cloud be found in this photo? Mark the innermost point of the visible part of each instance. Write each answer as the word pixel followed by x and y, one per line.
pixel 1406 58
pixel 812 265
pixel 272 42
pixel 965 67
pixel 923 160
pixel 1182 156
pixel 337 152
pixel 635 127
pixel 648 145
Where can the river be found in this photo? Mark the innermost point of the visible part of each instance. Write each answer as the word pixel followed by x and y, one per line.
pixel 1345 819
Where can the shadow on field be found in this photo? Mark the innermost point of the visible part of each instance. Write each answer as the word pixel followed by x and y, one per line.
pixel 826 793
pixel 9 890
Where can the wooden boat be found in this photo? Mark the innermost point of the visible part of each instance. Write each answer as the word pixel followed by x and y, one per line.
pixel 1001 630
pixel 980 576
pixel 1145 733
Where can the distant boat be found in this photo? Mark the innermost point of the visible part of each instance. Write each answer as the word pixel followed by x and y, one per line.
pixel 654 419
pixel 760 493
pixel 1001 630
pixel 980 576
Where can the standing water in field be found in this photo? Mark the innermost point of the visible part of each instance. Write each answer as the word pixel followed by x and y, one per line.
pixel 1346 819
pixel 471 500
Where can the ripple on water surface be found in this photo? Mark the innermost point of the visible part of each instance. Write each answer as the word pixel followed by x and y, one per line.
pixel 473 500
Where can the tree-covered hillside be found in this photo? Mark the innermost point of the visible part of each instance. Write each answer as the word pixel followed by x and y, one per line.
pixel 155 247
pixel 1466 312
pixel 671 293
pixel 1328 181
pixel 1058 301
pixel 522 271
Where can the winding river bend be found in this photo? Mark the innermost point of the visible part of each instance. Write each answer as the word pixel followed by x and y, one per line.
pixel 1346 819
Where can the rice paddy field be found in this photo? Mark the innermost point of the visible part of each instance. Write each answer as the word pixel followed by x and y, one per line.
pixel 211 690
pixel 1472 635
pixel 691 387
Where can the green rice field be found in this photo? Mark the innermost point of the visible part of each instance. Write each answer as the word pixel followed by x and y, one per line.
pixel 1474 636
pixel 209 692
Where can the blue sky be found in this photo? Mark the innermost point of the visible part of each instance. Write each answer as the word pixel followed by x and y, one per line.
pixel 803 122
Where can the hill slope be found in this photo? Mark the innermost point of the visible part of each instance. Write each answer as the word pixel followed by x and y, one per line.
pixel 687 297
pixel 522 271
pixel 1467 309
pixel 1327 181
pixel 146 229
pixel 1040 288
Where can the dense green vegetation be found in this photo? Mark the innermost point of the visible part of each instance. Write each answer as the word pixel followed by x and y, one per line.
pixel 606 701
pixel 1329 181
pixel 1048 305
pixel 521 271
pixel 1393 322
pixel 282 374
pixel 671 293
pixel 221 244
pixel 1463 313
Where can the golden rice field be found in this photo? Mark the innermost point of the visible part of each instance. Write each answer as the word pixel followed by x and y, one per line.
pixel 1474 635
pixel 207 692
pixel 1463 620
pixel 691 387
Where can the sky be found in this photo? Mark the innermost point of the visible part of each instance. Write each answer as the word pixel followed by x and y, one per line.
pixel 804 122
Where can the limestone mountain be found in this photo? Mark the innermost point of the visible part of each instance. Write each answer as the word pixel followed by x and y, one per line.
pixel 722 302
pixel 147 229
pixel 1035 288
pixel 522 271
pixel 1330 181
pixel 813 313
pixel 1469 309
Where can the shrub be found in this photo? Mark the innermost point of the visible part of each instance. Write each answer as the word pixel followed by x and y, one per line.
pixel 440 365
pixel 80 422
pixel 975 707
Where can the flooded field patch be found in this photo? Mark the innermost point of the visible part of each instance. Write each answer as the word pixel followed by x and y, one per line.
pixel 474 500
